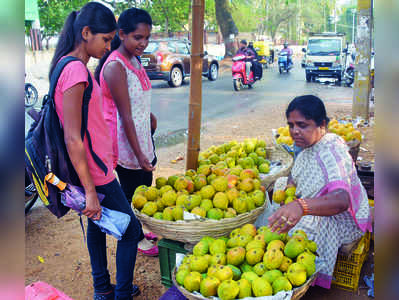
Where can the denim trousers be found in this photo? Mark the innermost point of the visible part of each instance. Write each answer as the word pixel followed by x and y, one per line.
pixel 126 248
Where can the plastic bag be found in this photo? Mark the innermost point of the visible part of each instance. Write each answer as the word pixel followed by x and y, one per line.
pixel 43 291
pixel 112 222
pixel 74 197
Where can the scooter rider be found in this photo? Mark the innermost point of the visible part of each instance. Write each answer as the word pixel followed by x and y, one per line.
pixel 256 66
pixel 251 47
pixel 289 53
pixel 249 56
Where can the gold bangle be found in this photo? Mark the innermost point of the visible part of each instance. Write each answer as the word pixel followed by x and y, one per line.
pixel 304 205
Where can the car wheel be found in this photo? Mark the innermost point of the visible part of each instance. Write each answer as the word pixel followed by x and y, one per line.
pixel 176 77
pixel 213 72
pixel 236 84
pixel 308 77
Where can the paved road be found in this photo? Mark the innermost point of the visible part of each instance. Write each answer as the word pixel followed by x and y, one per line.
pixel 219 99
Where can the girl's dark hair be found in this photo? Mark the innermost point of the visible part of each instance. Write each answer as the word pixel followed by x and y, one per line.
pixel 96 16
pixel 311 107
pixel 127 22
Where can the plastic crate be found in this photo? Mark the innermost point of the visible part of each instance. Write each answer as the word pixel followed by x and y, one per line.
pixel 347 268
pixel 357 254
pixel 167 258
pixel 346 282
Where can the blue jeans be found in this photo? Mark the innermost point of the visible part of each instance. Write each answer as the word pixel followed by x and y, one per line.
pixel 126 250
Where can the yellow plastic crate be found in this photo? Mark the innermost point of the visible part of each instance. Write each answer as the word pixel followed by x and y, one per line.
pixel 361 249
pixel 346 282
pixel 347 268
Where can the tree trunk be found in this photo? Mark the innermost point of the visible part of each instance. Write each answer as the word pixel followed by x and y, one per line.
pixel 226 24
pixel 167 26
pixel 273 34
pixel 47 42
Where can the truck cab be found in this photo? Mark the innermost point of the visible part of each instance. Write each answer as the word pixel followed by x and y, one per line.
pixel 325 55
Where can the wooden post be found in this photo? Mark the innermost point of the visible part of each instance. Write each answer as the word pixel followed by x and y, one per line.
pixel 195 107
pixel 361 91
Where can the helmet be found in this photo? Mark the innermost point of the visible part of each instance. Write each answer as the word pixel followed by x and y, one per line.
pixel 243 42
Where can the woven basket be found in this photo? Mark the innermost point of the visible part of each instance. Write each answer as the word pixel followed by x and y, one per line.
pixel 277 153
pixel 354 147
pixel 297 292
pixel 193 230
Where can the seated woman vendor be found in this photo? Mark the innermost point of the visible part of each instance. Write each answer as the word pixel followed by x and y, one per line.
pixel 332 205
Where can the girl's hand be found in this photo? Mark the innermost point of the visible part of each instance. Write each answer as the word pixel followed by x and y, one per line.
pixel 145 164
pixel 93 208
pixel 286 217
pixel 153 122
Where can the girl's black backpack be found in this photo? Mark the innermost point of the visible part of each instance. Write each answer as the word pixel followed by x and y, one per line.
pixel 45 149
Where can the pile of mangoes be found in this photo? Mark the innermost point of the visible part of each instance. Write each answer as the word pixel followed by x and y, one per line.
pixel 249 154
pixel 346 131
pixel 226 184
pixel 249 263
pixel 284 196
pixel 284 136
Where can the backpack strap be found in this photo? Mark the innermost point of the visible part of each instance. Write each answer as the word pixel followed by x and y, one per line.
pixel 57 72
pixel 85 105
pixel 84 130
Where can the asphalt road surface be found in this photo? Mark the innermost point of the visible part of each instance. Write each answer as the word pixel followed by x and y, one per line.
pixel 171 105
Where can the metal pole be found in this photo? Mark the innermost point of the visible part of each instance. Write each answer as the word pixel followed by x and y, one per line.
pixel 195 107
pixel 360 104
pixel 353 26
pixel 335 20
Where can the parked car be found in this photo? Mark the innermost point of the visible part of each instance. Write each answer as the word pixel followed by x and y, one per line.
pixel 169 59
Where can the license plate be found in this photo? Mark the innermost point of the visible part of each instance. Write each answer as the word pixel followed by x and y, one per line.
pixel 323 68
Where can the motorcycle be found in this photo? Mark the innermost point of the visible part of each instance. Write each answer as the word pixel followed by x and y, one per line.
pixel 349 73
pixel 264 61
pixel 239 74
pixel 283 62
pixel 31 194
pixel 31 95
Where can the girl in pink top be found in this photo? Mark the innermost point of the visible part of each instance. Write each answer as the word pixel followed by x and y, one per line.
pixel 88 33
pixel 127 105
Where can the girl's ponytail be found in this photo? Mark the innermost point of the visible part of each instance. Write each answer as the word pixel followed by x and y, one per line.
pixel 116 42
pixel 66 41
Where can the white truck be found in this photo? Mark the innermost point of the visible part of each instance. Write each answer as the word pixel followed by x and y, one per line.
pixel 325 55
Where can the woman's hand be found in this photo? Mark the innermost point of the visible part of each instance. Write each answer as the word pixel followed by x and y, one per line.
pixel 153 123
pixel 93 208
pixel 144 163
pixel 286 217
